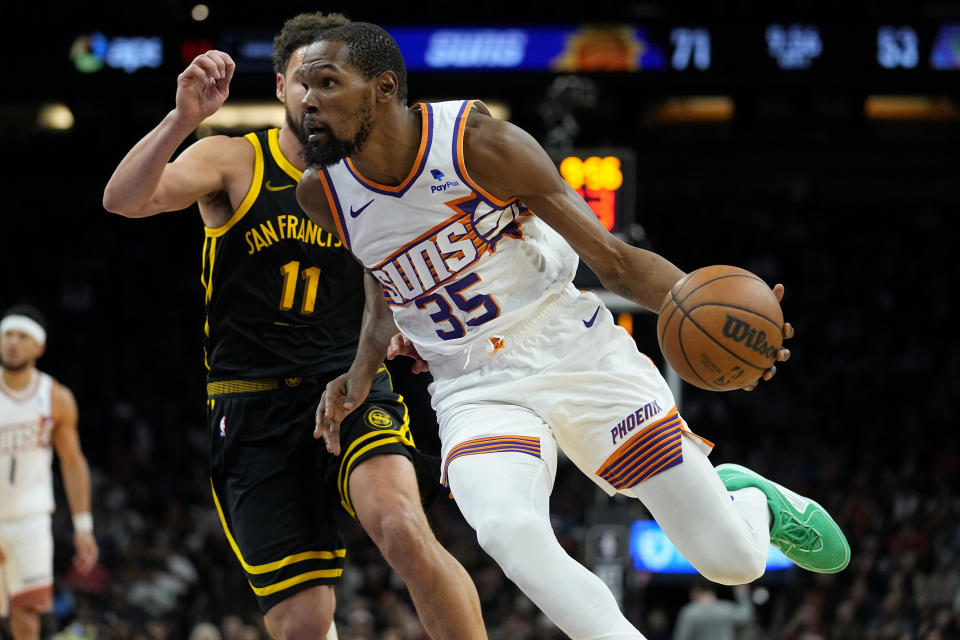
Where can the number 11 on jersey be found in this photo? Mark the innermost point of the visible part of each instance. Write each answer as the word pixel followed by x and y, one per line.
pixel 312 277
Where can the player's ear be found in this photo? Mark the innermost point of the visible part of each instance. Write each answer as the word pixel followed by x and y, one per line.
pixel 386 84
pixel 281 88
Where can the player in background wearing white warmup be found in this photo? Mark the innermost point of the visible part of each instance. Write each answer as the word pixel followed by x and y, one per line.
pixel 35 412
pixel 474 236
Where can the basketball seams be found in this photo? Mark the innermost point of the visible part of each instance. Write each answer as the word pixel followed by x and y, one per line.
pixel 662 332
pixel 686 358
pixel 676 306
pixel 729 275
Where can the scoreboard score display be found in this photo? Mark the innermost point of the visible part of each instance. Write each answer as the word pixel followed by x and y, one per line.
pixel 605 179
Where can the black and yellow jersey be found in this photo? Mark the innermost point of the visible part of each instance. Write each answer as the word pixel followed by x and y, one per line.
pixel 283 296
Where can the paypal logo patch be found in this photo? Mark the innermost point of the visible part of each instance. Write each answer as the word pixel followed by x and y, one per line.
pixel 444 184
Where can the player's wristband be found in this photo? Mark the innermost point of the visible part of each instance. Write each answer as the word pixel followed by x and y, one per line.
pixel 83 522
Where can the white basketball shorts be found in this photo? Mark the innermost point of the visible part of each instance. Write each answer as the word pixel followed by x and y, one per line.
pixel 573 376
pixel 26 574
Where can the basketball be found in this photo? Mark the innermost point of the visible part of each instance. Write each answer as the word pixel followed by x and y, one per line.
pixel 720 328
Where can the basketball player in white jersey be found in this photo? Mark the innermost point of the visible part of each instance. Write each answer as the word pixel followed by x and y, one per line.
pixel 466 224
pixel 37 415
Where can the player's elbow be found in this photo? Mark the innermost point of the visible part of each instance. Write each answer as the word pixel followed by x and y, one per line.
pixel 126 211
pixel 117 200
pixel 115 204
pixel 71 460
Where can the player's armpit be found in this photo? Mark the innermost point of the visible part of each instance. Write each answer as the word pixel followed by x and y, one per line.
pixel 206 170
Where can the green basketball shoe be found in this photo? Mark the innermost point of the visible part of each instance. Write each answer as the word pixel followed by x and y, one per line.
pixel 800 527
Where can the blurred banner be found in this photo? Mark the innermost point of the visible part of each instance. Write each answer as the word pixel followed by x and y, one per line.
pixel 651 550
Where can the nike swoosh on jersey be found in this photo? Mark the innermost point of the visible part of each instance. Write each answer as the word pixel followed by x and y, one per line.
pixel 593 318
pixel 270 187
pixel 356 212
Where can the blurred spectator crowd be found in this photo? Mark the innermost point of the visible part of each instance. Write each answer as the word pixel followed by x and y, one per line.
pixel 862 419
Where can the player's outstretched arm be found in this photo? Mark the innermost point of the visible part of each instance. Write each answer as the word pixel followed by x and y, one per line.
pixel 507 162
pixel 146 182
pixel 76 476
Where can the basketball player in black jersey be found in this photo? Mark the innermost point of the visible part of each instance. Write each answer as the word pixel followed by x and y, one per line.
pixel 284 304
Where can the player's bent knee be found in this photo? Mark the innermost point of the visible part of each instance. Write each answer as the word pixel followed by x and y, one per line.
pixel 732 565
pixel 25 622
pixel 306 614
pixel 303 630
pixel 501 534
pixel 303 626
pixel 404 538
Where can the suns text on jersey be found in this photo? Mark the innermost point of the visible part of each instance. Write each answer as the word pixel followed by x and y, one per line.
pixel 20 437
pixel 434 259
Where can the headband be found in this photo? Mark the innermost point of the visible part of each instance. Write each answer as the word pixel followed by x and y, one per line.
pixel 24 324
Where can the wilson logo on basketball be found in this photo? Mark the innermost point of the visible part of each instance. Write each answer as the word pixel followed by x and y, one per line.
pixel 740 330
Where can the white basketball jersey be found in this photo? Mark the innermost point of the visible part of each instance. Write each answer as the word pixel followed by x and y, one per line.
pixel 459 267
pixel 26 454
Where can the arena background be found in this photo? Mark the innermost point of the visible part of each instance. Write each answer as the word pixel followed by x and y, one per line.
pixel 822 154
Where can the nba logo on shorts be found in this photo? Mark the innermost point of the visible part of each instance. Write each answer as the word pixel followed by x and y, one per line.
pixel 223 427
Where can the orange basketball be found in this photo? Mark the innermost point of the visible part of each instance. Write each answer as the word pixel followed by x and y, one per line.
pixel 720 328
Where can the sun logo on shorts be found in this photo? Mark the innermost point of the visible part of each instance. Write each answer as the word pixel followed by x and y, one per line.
pixel 496 343
pixel 379 419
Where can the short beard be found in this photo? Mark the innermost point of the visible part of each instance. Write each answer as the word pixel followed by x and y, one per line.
pixel 296 127
pixel 16 368
pixel 336 149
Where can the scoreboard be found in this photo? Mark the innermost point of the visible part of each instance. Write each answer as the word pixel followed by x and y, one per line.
pixel 605 179
pixel 691 50
pixel 783 46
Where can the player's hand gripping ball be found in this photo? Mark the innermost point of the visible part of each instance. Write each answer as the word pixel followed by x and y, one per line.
pixel 720 328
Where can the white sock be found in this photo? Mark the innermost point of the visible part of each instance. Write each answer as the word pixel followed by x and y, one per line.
pixel 751 504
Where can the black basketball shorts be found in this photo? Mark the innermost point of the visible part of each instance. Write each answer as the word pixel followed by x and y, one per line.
pixel 276 488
